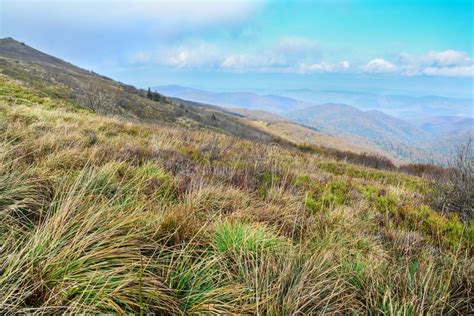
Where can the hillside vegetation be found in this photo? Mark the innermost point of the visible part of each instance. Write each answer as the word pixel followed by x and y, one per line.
pixel 56 78
pixel 101 214
pixel 301 134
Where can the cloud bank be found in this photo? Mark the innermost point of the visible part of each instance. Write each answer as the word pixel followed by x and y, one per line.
pixel 304 56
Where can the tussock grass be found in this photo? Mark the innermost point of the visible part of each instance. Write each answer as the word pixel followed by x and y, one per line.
pixel 98 215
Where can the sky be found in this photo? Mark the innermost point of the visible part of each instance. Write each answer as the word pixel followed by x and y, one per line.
pixel 404 47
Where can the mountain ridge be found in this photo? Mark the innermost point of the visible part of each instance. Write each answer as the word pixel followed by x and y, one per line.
pixel 55 77
pixel 99 93
pixel 372 128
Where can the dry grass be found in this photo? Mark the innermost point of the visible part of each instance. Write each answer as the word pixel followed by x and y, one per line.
pixel 104 216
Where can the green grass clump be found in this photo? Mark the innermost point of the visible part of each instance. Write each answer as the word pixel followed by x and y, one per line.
pixel 241 237
pixel 311 203
pixel 87 253
pixel 334 193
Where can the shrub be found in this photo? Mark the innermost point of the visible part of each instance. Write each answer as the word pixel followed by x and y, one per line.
pixel 425 170
pixel 455 192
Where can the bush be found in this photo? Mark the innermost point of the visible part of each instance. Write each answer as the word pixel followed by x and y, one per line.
pixel 425 170
pixel 455 191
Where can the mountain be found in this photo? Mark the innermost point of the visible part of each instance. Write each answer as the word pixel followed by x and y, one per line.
pixel 413 134
pixel 384 131
pixel 449 131
pixel 246 100
pixel 401 106
pixel 445 125
pixel 55 77
pixel 365 129
pixel 297 133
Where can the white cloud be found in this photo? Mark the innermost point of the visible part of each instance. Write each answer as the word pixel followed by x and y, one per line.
pixel 437 63
pixel 198 55
pixel 457 71
pixel 252 61
pixel 324 67
pixel 448 58
pixel 379 65
pixel 193 55
pixel 205 55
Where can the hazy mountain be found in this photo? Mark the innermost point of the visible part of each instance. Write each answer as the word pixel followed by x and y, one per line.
pixel 416 138
pixel 299 133
pixel 246 100
pixel 389 133
pixel 445 125
pixel 402 106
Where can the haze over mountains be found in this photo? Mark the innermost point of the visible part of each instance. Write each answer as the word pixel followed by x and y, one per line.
pixel 246 100
pixel 402 106
pixel 425 135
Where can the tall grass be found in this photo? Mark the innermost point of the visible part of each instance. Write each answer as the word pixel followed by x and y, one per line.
pixel 129 218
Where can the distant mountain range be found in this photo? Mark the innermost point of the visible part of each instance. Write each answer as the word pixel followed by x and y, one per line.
pixel 246 100
pixel 387 132
pixel 444 125
pixel 402 106
pixel 422 138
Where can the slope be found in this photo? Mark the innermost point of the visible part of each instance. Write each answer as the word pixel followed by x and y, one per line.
pixel 386 132
pixel 101 215
pixel 54 77
pixel 305 135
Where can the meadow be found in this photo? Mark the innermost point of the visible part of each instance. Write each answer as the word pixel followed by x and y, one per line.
pixel 99 214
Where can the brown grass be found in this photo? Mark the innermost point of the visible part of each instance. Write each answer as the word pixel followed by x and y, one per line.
pixel 99 215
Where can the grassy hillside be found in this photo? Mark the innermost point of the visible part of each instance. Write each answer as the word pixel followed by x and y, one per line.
pixel 56 78
pixel 106 215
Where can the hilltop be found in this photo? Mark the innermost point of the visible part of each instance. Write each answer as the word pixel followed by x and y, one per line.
pixel 113 211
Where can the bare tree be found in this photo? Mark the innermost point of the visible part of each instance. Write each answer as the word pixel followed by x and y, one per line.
pixel 95 95
pixel 455 191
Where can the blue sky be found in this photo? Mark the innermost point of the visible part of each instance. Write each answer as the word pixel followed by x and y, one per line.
pixel 410 47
